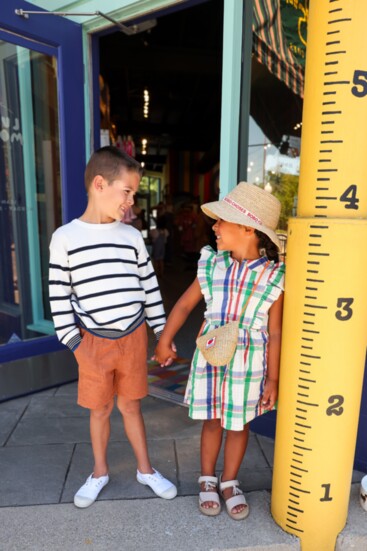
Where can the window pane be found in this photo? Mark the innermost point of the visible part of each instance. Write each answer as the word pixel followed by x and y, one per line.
pixel 30 198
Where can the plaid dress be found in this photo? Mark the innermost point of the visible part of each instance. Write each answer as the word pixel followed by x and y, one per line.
pixel 232 392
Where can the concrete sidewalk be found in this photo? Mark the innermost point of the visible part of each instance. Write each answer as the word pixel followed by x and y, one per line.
pixel 45 455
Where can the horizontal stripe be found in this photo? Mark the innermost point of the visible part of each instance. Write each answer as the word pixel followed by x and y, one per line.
pixel 102 246
pixel 102 261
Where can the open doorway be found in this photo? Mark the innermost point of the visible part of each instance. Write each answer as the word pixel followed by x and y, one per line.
pixel 160 100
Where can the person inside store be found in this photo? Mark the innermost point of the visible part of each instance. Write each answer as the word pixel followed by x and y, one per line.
pixel 234 371
pixel 102 289
pixel 159 236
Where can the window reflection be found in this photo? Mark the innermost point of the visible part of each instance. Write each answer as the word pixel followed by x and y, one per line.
pixel 30 199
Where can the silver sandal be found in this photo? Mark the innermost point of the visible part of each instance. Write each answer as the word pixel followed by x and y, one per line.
pixel 237 499
pixel 211 483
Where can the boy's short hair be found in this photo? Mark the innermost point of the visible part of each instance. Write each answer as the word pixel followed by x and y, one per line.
pixel 108 162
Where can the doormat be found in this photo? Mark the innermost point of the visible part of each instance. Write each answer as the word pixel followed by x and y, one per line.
pixel 169 383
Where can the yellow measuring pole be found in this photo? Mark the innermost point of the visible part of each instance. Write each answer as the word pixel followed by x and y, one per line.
pixel 325 311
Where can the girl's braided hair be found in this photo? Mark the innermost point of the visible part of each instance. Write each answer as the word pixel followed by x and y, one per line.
pixel 266 243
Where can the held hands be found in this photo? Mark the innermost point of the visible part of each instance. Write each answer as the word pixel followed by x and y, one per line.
pixel 165 353
pixel 270 394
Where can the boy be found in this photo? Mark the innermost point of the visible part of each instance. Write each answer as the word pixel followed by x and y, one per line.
pixel 102 288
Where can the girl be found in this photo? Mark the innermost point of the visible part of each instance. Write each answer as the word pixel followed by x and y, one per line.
pixel 244 271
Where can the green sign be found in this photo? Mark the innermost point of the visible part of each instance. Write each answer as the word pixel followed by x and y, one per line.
pixel 294 15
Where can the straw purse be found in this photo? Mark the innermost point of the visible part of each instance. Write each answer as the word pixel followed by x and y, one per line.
pixel 218 345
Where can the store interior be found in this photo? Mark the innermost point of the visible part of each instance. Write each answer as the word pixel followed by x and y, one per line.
pixel 160 100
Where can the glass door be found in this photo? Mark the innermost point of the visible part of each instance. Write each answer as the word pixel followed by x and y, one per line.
pixel 42 159
pixel 30 205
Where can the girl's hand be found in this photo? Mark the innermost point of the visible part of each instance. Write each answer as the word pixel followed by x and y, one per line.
pixel 165 353
pixel 270 394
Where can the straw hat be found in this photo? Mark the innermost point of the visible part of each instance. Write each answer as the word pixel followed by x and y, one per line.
pixel 249 205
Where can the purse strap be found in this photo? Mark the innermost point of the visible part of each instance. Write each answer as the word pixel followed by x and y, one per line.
pixel 254 288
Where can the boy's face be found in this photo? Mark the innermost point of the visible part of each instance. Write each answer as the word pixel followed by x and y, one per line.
pixel 117 197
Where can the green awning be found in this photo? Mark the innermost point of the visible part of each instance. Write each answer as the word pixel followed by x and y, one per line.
pixel 279 39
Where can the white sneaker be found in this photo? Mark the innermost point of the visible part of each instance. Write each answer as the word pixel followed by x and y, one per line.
pixel 88 493
pixel 363 493
pixel 160 485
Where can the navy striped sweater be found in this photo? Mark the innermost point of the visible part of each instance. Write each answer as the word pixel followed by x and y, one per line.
pixel 101 278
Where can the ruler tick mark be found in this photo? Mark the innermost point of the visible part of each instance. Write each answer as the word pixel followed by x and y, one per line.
pixel 304 426
pixel 302 448
pixel 294 528
pixel 295 509
pixel 343 20
pixel 298 468
pixel 300 490
pixel 307 403
pixel 326 198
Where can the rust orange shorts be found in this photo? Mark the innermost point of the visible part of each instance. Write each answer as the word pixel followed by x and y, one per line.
pixel 112 366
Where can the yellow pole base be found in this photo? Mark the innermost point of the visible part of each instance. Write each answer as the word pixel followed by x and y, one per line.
pixel 321 375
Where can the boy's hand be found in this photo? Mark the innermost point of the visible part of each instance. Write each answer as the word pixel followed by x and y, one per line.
pixel 165 353
pixel 270 394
